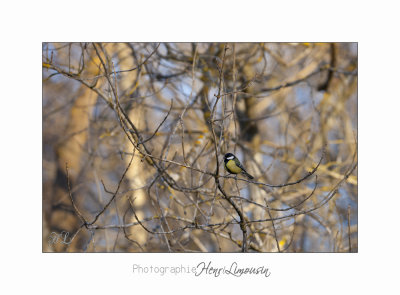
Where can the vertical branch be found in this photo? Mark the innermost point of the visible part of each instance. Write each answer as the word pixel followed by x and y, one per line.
pixel 234 77
pixel 348 227
pixel 273 226
pixel 242 221
pixel 72 199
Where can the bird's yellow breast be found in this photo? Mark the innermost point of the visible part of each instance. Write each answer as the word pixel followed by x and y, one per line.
pixel 232 168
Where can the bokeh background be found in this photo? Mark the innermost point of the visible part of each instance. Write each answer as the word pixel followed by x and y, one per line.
pixel 140 126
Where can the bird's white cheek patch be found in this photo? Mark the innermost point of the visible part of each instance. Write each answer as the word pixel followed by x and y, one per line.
pixel 230 158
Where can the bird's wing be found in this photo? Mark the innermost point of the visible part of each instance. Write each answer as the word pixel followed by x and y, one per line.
pixel 239 164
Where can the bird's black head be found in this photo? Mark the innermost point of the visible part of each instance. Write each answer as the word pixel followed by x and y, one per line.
pixel 228 157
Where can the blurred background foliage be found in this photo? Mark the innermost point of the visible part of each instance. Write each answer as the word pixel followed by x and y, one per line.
pixel 277 105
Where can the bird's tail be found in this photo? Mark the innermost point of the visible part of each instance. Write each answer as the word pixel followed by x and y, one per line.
pixel 247 174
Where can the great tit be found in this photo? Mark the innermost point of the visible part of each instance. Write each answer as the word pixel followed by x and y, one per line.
pixel 233 166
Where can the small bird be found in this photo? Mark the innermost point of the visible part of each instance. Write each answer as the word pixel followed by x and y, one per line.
pixel 233 166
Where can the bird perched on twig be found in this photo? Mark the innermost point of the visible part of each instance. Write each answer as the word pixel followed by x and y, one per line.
pixel 233 165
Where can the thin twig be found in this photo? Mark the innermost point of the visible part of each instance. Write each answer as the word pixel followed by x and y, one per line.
pixel 348 227
pixel 116 192
pixel 284 184
pixel 72 199
pixel 162 122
